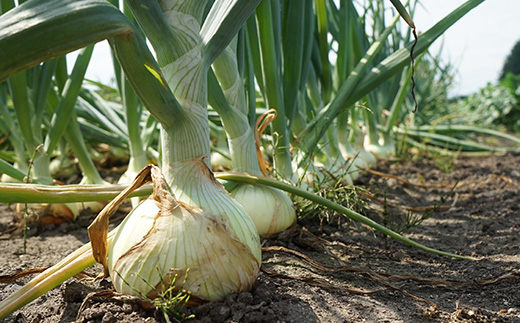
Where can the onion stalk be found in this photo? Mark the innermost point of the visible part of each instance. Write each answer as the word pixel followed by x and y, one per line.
pixel 270 209
pixel 185 135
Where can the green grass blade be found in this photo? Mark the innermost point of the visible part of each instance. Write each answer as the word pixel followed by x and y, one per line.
pixel 76 142
pixel 453 143
pixel 357 87
pixel 95 134
pixel 133 113
pixel 10 170
pixel 397 104
pixel 253 52
pixel 324 50
pixel 395 62
pixel 249 77
pixel 402 11
pixel 317 130
pixel 105 113
pixel 293 42
pixel 23 108
pixel 449 129
pixel 43 87
pixel 10 128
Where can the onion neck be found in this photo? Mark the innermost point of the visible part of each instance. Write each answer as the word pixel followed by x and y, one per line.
pixel 234 116
pixel 243 153
pixel 186 76
pixel 185 141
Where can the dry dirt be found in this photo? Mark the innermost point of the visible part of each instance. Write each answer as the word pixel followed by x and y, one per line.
pixel 335 270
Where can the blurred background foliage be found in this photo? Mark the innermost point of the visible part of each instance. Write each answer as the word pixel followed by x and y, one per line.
pixel 497 105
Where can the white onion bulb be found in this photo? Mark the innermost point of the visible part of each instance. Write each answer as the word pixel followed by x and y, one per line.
pixel 270 209
pixel 162 238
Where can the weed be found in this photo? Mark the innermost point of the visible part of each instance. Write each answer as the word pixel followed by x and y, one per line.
pixel 170 299
pixel 444 162
pixel 26 212
pixel 413 220
pixel 351 197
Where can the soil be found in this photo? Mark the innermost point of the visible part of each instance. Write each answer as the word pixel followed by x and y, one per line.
pixel 331 269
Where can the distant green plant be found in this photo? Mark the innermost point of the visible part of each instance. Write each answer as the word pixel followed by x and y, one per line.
pixel 512 82
pixel 490 107
pixel 512 63
pixel 512 119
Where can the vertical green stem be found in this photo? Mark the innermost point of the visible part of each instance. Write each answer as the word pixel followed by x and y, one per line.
pixel 235 115
pixel 174 31
pixel 11 128
pixel 133 111
pixel 321 13
pixel 133 119
pixel 18 88
pixel 273 86
pixel 294 41
pixel 395 109
pixel 326 116
pixel 64 111
pixel 77 145
pixel 26 120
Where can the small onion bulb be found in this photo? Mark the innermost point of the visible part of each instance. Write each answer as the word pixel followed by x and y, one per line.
pixel 270 209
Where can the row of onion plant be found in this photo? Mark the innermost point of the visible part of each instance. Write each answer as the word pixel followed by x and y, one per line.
pixel 206 52
pixel 42 123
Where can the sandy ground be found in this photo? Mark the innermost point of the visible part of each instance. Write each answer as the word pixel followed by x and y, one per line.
pixel 331 269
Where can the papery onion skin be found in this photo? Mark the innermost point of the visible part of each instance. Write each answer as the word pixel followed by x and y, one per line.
pixel 270 209
pixel 153 245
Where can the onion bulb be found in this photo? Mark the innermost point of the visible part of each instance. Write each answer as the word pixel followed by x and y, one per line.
pixel 162 239
pixel 377 149
pixel 270 209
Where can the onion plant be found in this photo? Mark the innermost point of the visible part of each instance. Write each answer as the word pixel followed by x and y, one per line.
pixel 39 116
pixel 175 92
pixel 190 221
pixel 369 73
